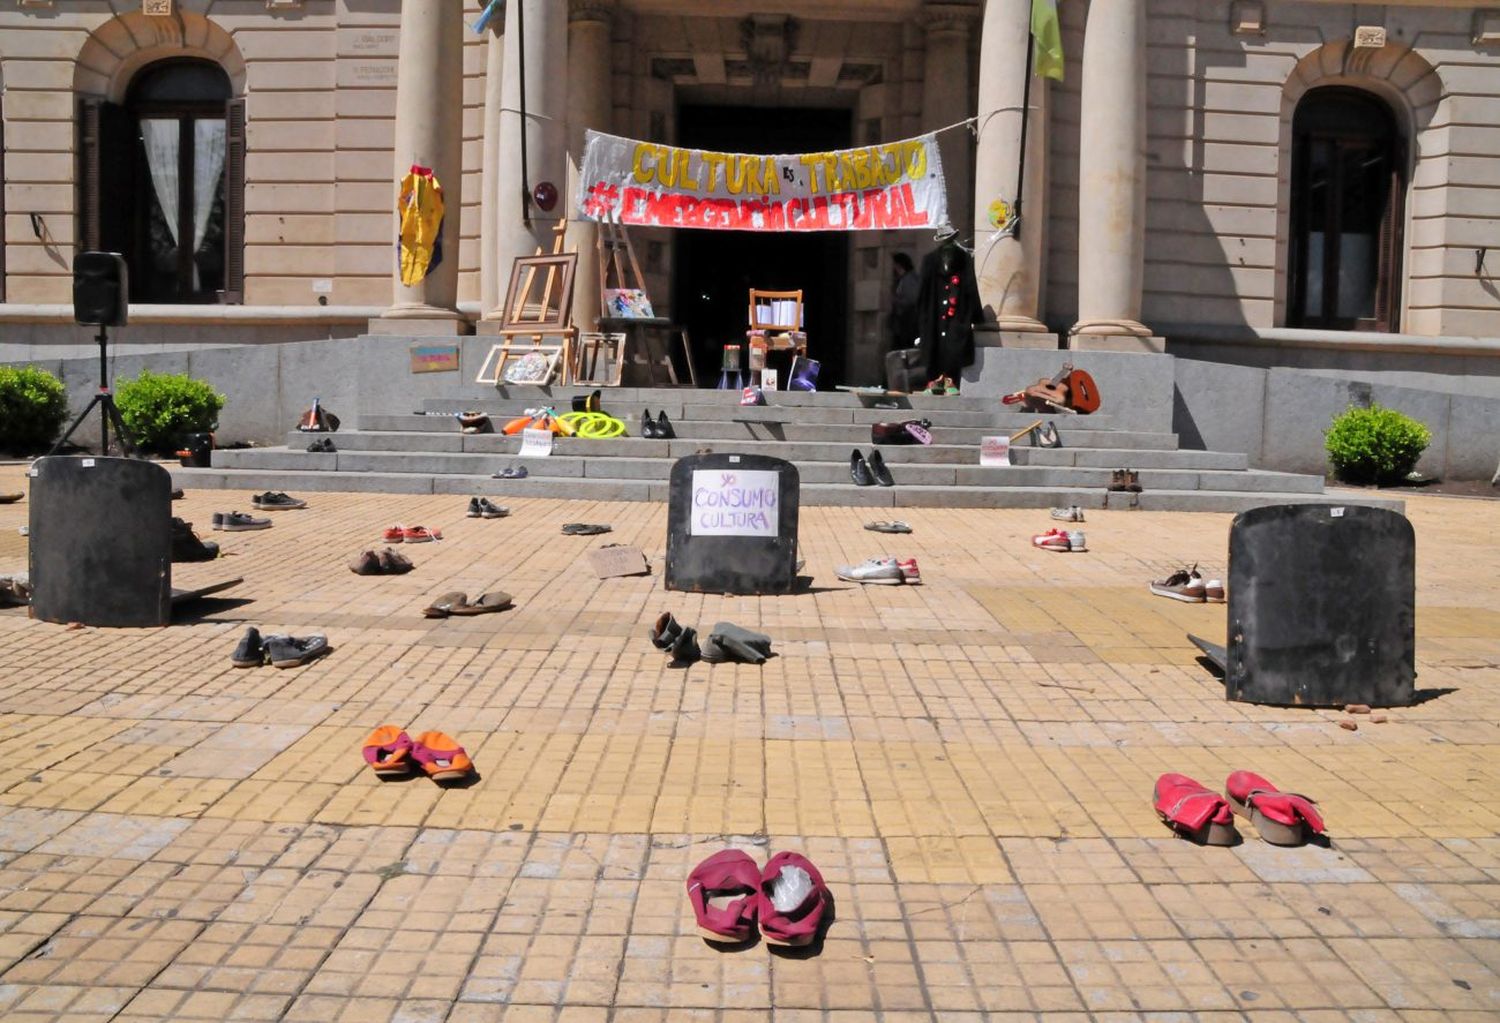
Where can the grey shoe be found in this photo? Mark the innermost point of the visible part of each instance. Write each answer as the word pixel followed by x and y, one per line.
pixel 730 642
pixel 474 511
pixel 488 509
pixel 1076 541
pixel 291 652
pixel 250 653
pixel 880 571
pixel 238 522
pixel 1073 513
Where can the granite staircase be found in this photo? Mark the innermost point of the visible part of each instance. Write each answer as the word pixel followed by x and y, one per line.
pixel 422 452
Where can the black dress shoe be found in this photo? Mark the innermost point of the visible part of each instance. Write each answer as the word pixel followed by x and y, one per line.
pixel 879 471
pixel 663 427
pixel 859 470
pixel 648 425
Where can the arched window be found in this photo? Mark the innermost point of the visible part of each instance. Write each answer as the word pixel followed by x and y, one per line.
pixel 163 182
pixel 1348 196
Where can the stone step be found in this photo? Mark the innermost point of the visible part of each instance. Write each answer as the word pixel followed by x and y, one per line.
pixel 813 471
pixel 827 449
pixel 313 481
pixel 653 397
pixel 1119 458
pixel 704 420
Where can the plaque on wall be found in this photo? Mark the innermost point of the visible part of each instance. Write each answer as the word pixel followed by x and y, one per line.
pixel 157 8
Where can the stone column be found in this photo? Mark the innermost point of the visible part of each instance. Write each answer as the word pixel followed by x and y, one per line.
pixel 494 76
pixel 521 226
pixel 1112 185
pixel 590 24
pixel 429 132
pixel 1009 268
pixel 946 99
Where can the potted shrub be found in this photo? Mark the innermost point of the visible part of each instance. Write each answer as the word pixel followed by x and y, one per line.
pixel 160 409
pixel 33 408
pixel 1375 445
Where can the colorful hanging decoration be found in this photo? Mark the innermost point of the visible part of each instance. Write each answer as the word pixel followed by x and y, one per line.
pixel 421 208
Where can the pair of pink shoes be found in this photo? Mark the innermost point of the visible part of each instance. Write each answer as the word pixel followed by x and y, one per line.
pixel 1204 816
pixel 731 895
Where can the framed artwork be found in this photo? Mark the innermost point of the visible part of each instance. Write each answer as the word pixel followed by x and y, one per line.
pixel 627 304
pixel 531 366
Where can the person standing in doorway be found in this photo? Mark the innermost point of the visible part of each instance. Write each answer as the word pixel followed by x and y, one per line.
pixel 904 293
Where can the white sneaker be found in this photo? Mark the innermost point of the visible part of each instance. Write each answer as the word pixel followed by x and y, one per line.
pixel 880 571
pixel 1070 514
pixel 1076 541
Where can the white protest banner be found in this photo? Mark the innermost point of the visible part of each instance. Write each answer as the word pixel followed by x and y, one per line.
pixel 734 503
pixel 896 186
pixel 535 443
pixel 994 451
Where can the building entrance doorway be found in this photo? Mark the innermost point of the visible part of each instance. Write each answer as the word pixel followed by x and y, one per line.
pixel 713 271
pixel 1348 189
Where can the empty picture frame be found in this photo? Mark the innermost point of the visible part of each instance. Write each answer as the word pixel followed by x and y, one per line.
pixel 540 296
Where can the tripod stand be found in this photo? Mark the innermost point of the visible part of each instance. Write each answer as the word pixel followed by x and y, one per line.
pixel 108 411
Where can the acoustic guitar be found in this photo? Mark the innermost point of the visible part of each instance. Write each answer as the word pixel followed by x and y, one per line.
pixel 1071 390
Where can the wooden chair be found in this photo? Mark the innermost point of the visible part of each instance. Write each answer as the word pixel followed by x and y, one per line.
pixel 776 319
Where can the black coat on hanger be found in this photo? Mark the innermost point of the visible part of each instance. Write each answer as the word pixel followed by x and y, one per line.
pixel 948 307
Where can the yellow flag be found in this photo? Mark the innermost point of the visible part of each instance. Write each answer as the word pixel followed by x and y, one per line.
pixel 1046 39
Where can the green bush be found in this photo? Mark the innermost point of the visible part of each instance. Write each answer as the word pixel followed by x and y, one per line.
pixel 159 408
pixel 1375 445
pixel 33 407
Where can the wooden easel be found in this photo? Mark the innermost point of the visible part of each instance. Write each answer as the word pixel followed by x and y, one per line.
pixel 619 269
pixel 550 315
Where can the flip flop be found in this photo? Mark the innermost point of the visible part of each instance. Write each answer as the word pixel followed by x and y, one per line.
pixel 1280 818
pixel 888 527
pixel 441 757
pixel 388 750
pixel 723 891
pixel 1193 811
pixel 584 529
pixel 443 606
pixel 494 601
pixel 799 924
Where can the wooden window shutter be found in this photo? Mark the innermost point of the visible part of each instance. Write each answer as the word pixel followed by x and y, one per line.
pixel 234 202
pixel 106 176
pixel 1390 244
pixel 89 111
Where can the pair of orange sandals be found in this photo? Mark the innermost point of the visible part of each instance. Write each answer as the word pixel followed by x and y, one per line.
pixel 390 752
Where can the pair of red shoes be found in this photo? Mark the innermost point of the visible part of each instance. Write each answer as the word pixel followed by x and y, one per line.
pixel 390 752
pixel 730 895
pixel 1204 816
pixel 410 534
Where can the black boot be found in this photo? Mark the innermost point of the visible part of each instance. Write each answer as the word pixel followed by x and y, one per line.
pixel 663 427
pixel 859 470
pixel 648 425
pixel 879 471
pixel 685 650
pixel 665 632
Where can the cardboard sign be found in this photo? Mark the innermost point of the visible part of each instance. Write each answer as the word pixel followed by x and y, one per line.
pixel 892 186
pixel 734 502
pixel 768 380
pixel 434 358
pixel 615 560
pixel 535 443
pixel 994 451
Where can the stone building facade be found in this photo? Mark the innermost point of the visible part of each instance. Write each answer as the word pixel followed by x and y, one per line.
pixel 1240 172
